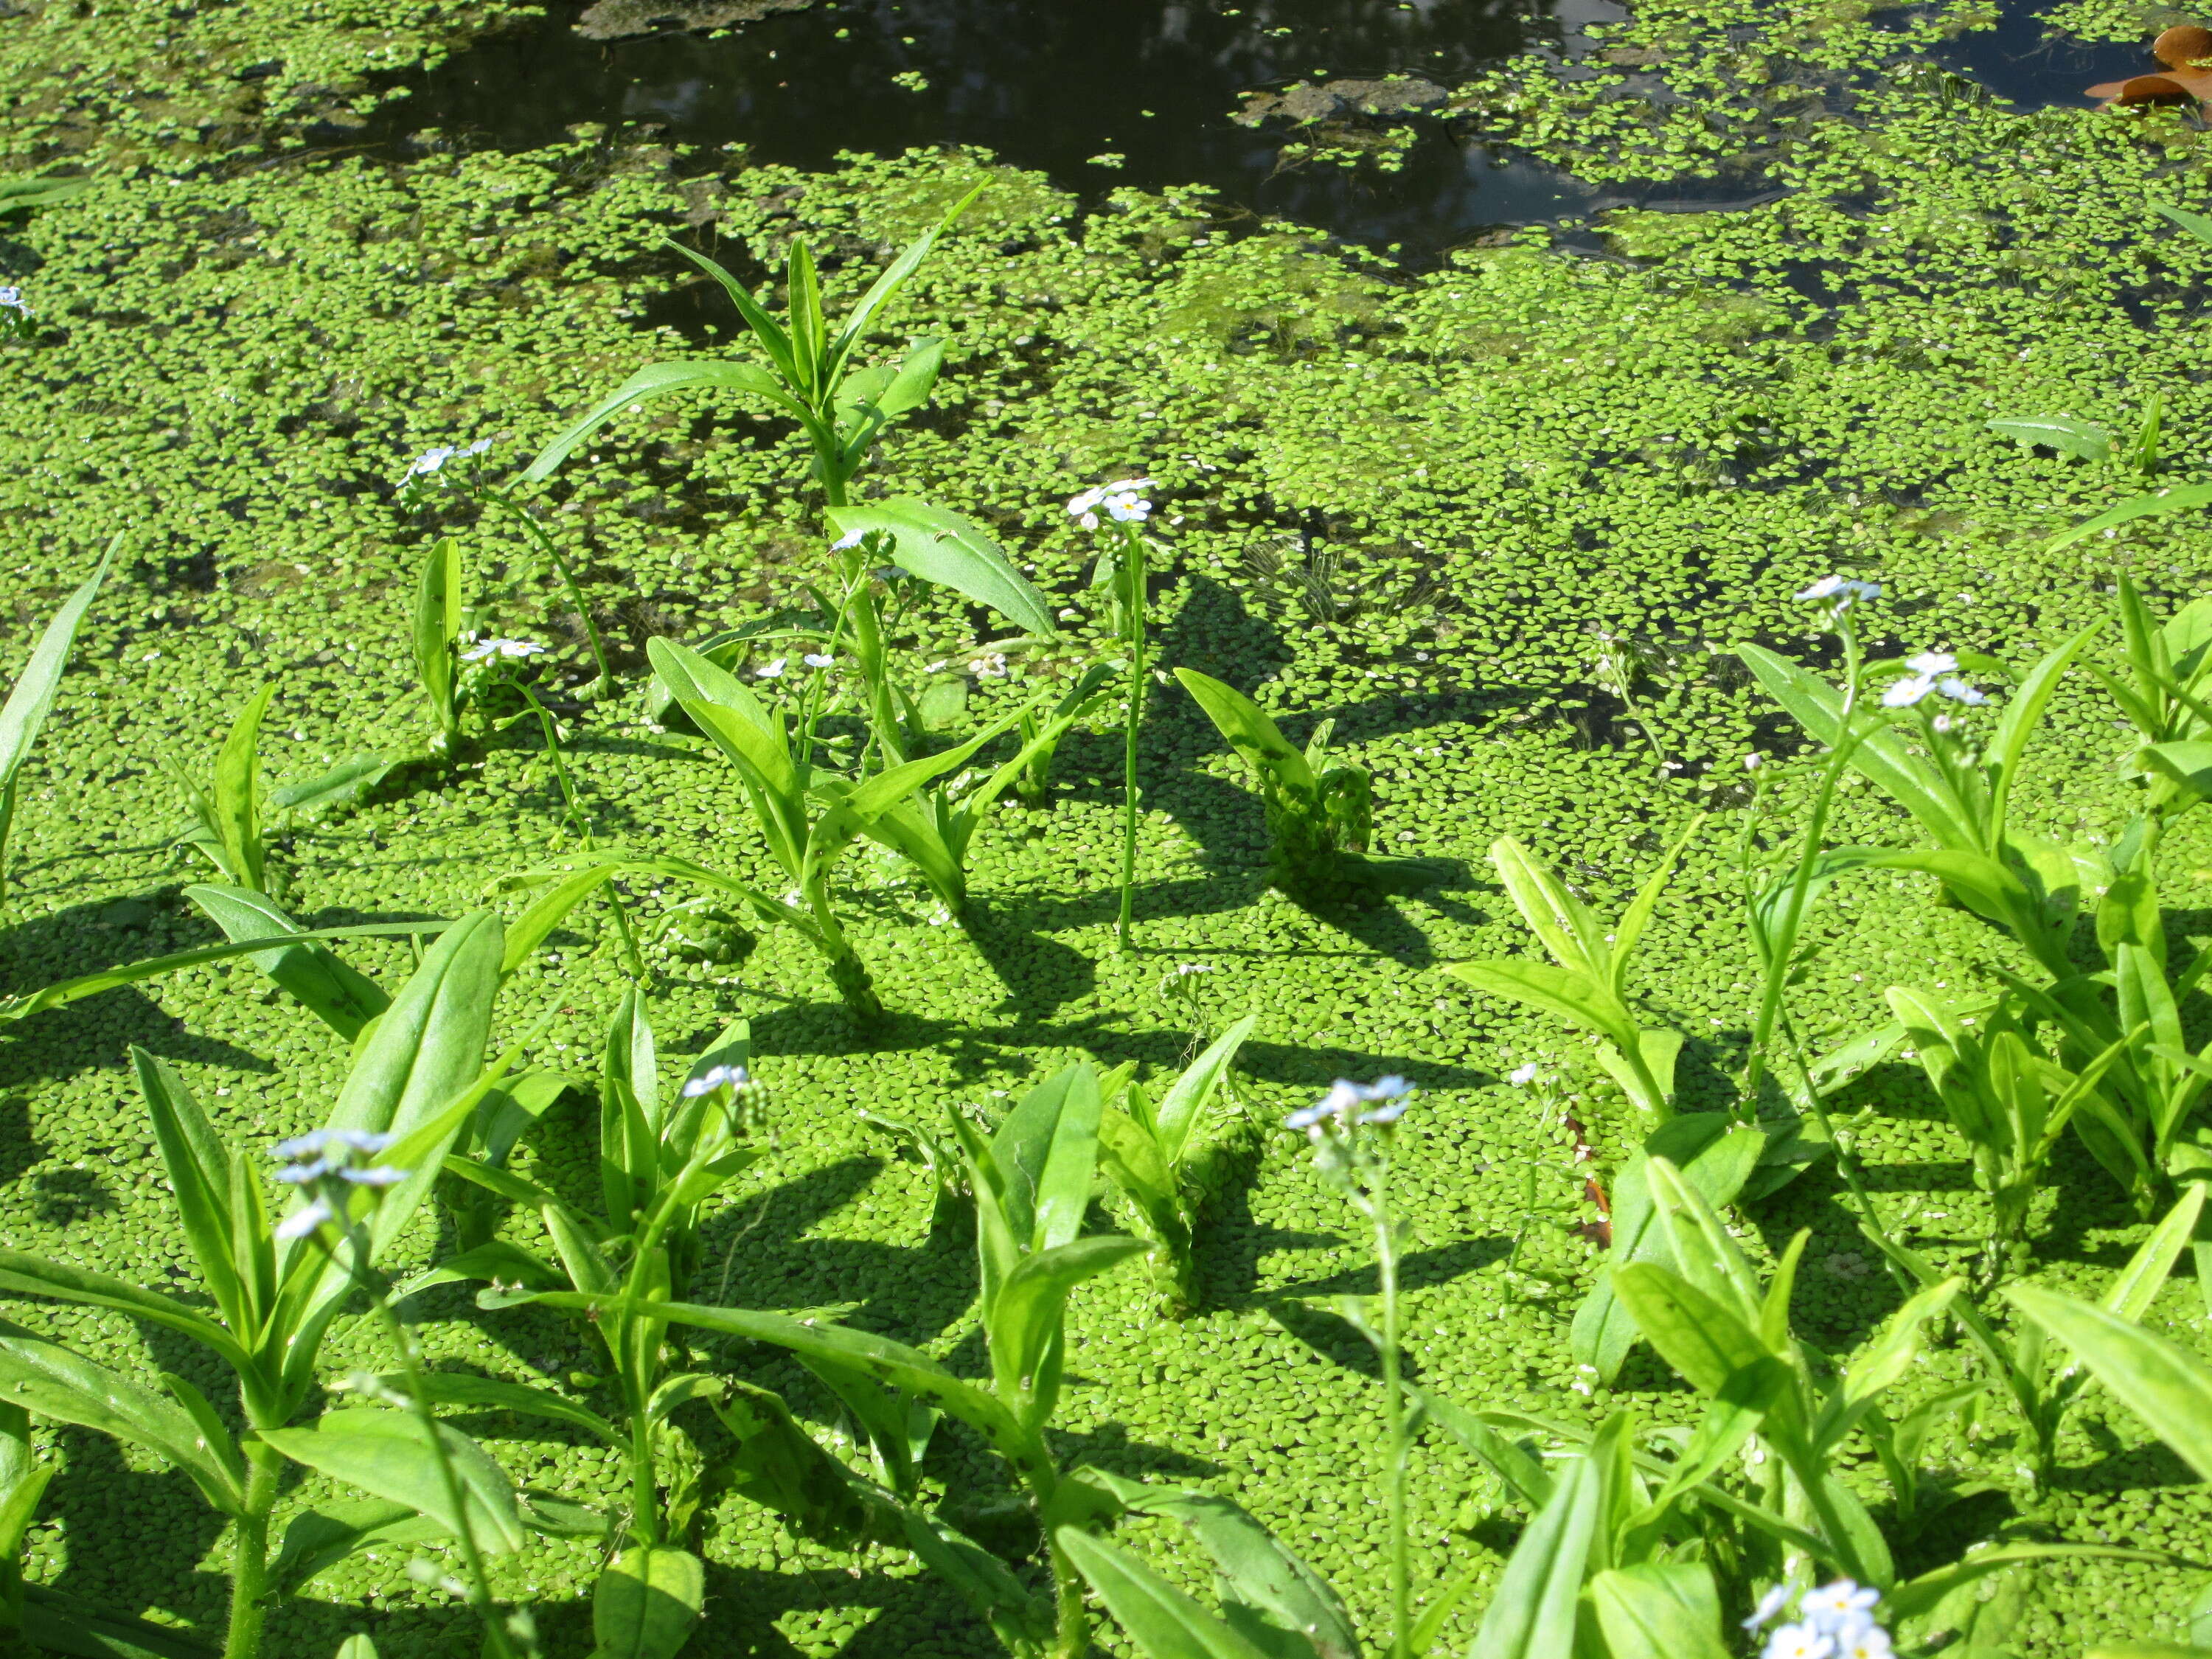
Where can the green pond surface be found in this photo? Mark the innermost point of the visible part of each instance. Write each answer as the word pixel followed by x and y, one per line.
pixel 1416 493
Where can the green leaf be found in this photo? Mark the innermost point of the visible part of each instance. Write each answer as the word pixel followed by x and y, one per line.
pixel 1922 1594
pixel 1521 1472
pixel 28 703
pixel 940 546
pixel 777 1465
pixel 1562 993
pixel 317 1540
pixel 1891 1352
pixel 1706 1342
pixel 343 997
pixel 49 1380
pixel 1163 1621
pixel 2084 439
pixel 892 1363
pixel 550 907
pixel 2166 1385
pixel 388 1453
pixel 343 785
pixel 2023 713
pixel 895 276
pixel 237 793
pixel 735 720
pixel 1188 1098
pixel 1532 1613
pixel 647 1601
pixel 1250 733
pixel 427 1050
pixel 2169 500
pixel 440 597
pixel 63 992
pixel 1882 758
pixel 657 381
pixel 32 1275
pixel 486 1394
pixel 629 1104
pixel 1256 1568
pixel 1653 1610
pixel 198 1164
pixel 899 1429
pixel 2195 224
pixel 1025 1321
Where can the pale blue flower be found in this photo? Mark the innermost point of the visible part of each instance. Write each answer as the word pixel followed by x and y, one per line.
pixel 1798 1642
pixel 771 670
pixel 1959 691
pixel 1521 1076
pixel 1770 1604
pixel 506 650
pixel 718 1077
pixel 1931 663
pixel 379 1175
pixel 818 660
pixel 850 538
pixel 1903 694
pixel 1120 500
pixel 430 461
pixel 1835 1602
pixel 302 1222
pixel 1842 590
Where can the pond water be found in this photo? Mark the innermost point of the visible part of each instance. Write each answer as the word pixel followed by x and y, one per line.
pixel 1097 94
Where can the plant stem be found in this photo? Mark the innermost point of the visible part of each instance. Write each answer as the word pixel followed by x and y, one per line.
pixel 1784 945
pixel 479 1583
pixel 1133 620
pixel 249 1568
pixel 605 683
pixel 1393 1412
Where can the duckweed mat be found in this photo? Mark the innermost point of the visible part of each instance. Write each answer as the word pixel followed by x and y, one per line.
pixel 1418 503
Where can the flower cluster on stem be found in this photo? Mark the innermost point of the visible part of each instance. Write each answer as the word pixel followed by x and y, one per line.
pixel 1835 1621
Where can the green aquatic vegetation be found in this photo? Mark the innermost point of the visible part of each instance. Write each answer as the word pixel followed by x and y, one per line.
pixel 31 696
pixel 1156 1153
pixel 810 374
pixel 807 819
pixel 1585 983
pixel 2044 1391
pixel 401 1454
pixel 2008 1100
pixel 1709 1318
pixel 1032 1181
pixel 1320 812
pixel 439 626
pixel 662 1157
pixel 1122 572
pixel 224 816
pixel 414 1084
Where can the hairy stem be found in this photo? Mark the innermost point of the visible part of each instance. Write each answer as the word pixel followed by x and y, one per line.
pixel 249 1569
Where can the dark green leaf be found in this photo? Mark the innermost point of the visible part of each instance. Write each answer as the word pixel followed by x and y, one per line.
pixel 387 1454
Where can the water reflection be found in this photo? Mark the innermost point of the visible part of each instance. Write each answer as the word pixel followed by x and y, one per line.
pixel 1052 85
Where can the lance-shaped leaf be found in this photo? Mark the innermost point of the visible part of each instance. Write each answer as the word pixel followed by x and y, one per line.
pixel 658 380
pixel 318 1539
pixel 2164 1384
pixel 1257 1570
pixel 1818 707
pixel 49 1380
pixel 1163 1621
pixel 33 1275
pixel 387 1453
pixel 1026 1320
pixel 2182 499
pixel 32 697
pixel 488 1394
pixel 343 997
pixel 645 1602
pixel 892 1363
pixel 1249 731
pixel 1656 1610
pixel 741 725
pixel 63 992
pixel 428 1049
pixel 199 1171
pixel 1704 1341
pixel 1532 1613
pixel 1187 1098
pixel 940 546
pixel 2085 439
